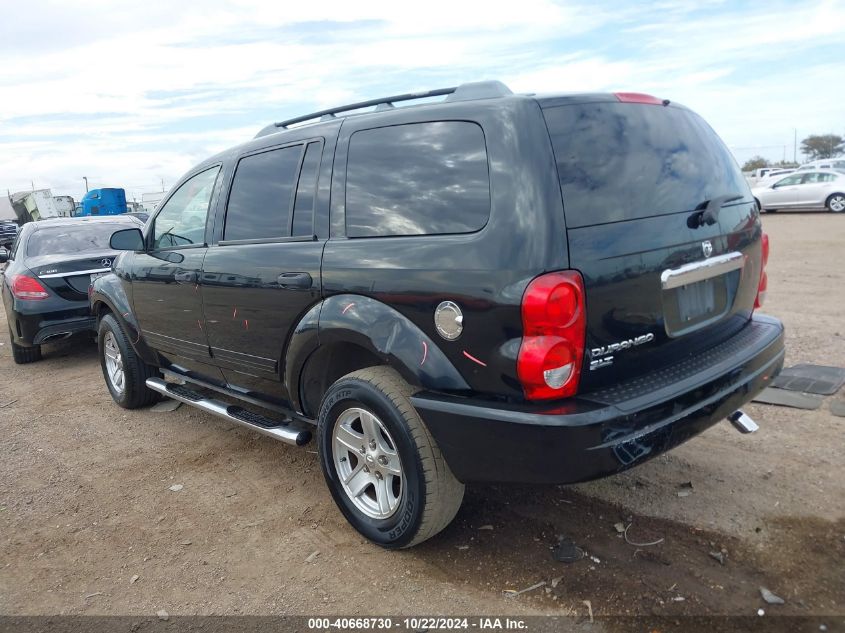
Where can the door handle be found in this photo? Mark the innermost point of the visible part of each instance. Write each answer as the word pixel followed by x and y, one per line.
pixel 297 281
pixel 186 277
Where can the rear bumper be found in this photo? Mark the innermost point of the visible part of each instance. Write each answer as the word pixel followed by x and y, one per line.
pixel 34 328
pixel 609 431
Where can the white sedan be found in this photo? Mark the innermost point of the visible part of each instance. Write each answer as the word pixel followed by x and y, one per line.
pixel 811 190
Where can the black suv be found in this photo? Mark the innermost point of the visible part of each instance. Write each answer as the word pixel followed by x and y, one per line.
pixel 489 287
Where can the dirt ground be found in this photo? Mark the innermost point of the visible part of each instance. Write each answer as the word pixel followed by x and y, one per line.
pixel 85 505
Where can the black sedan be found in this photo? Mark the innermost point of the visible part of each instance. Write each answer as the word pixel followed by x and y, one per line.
pixel 46 278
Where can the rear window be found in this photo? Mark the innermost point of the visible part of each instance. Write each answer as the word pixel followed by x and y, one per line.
pixel 623 161
pixel 417 179
pixel 75 238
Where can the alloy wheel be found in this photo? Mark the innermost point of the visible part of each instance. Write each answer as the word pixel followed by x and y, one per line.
pixel 837 204
pixel 367 463
pixel 114 363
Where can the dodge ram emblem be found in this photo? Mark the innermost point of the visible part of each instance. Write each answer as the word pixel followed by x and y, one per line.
pixel 707 248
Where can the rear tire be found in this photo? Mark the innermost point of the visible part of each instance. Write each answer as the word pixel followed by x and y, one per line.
pixel 23 355
pixel 124 371
pixel 836 203
pixel 400 460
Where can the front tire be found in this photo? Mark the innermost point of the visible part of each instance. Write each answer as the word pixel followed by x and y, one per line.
pixel 383 468
pixel 125 373
pixel 836 203
pixel 24 355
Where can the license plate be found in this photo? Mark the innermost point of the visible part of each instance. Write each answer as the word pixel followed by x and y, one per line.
pixel 696 300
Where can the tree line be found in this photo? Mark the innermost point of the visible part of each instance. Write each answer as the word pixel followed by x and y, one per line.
pixel 814 147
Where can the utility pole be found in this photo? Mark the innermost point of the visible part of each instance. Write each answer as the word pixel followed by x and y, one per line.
pixel 795 146
pixel 162 185
pixel 85 178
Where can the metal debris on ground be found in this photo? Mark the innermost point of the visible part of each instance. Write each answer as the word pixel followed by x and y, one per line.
pixel 785 398
pixel 486 527
pixel 719 556
pixel 513 593
pixel 166 405
pixel 817 379
pixel 771 598
pixel 630 542
pixel 567 552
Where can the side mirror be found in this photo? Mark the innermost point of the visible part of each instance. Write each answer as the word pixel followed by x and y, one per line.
pixel 127 240
pixel 4 256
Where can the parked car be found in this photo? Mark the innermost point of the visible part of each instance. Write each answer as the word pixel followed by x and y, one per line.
pixel 492 287
pixel 810 190
pixel 771 177
pixel 45 285
pixel 824 163
pixel 8 233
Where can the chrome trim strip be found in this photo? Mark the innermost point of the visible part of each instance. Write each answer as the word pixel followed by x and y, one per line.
pixel 75 273
pixel 699 271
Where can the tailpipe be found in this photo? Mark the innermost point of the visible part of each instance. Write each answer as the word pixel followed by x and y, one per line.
pixel 742 422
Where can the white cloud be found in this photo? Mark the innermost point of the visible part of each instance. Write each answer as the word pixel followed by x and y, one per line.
pixel 133 92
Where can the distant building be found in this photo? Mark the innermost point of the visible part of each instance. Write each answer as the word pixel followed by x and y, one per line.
pixel 7 211
pixel 150 201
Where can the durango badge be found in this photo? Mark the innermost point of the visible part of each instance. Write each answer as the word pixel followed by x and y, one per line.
pixel 603 356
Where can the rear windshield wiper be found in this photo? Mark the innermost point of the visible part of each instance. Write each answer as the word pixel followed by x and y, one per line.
pixel 708 211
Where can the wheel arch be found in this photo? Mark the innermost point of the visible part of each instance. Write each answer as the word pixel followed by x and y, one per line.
pixel 351 332
pixel 109 297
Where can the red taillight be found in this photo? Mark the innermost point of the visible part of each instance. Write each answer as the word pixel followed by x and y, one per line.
pixel 764 279
pixel 28 288
pixel 637 97
pixel 553 323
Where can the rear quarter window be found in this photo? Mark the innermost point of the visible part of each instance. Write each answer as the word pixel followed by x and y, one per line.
pixel 417 179
pixel 624 161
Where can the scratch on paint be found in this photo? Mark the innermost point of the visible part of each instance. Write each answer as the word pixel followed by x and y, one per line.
pixel 235 314
pixel 347 308
pixel 199 324
pixel 196 287
pixel 425 353
pixel 474 359
pixel 246 324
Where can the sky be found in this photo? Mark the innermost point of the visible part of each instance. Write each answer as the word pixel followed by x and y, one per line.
pixel 132 94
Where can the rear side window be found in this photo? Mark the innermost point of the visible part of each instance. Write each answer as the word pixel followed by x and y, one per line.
pixel 262 195
pixel 623 161
pixel 417 179
pixel 303 208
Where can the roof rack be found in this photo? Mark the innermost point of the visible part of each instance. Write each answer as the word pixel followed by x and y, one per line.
pixel 464 92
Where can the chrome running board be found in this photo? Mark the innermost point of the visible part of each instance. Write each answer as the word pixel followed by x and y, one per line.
pixel 283 430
